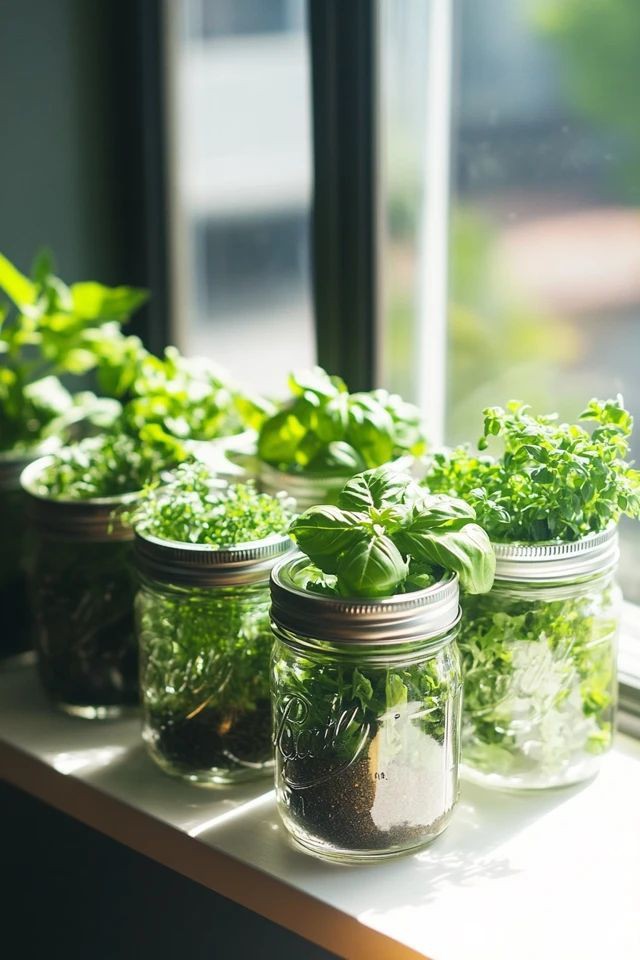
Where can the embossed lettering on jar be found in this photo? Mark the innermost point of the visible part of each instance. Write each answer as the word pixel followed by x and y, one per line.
pixel 366 708
pixel 539 661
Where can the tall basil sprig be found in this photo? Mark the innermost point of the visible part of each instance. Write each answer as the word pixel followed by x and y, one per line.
pixel 551 480
pixel 387 536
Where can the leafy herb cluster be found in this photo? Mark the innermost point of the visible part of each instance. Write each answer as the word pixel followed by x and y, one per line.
pixel 388 536
pixel 188 398
pixel 192 507
pixel 552 481
pixel 49 330
pixel 325 429
pixel 108 465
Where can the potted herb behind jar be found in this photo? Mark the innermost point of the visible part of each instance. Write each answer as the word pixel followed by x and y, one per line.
pixel 312 443
pixel 80 568
pixel 204 551
pixel 194 401
pixel 539 651
pixel 366 680
pixel 48 330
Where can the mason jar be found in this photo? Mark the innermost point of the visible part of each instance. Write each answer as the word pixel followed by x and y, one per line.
pixel 366 716
pixel 81 590
pixel 539 662
pixel 202 618
pixel 16 635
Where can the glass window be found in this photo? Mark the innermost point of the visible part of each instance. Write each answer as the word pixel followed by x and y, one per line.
pixel 545 227
pixel 542 143
pixel 241 183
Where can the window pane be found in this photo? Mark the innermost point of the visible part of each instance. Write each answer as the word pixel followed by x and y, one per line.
pixel 241 181
pixel 544 298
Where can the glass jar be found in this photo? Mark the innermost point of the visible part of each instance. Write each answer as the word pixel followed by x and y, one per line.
pixel 539 661
pixel 366 716
pixel 81 589
pixel 16 634
pixel 202 618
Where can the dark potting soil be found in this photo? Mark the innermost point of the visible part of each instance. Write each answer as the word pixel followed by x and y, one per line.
pixel 214 738
pixel 337 810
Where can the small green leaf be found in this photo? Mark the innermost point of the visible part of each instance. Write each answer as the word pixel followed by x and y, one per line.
pixel 15 284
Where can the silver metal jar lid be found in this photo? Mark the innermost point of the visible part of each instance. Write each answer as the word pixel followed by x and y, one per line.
pixel 92 520
pixel 551 562
pixel 202 565
pixel 421 615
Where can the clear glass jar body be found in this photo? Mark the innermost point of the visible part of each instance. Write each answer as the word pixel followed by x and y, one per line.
pixel 367 744
pixel 204 662
pixel 82 595
pixel 539 663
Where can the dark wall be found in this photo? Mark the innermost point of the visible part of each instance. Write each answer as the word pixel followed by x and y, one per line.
pixel 57 157
pixel 82 152
pixel 68 893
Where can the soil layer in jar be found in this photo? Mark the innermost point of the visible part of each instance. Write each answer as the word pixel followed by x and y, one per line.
pixel 213 738
pixel 336 809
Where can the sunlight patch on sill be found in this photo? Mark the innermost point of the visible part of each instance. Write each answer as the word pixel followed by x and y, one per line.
pixel 238 811
pixel 72 761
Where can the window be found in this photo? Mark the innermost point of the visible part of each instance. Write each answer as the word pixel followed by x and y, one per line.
pixel 535 103
pixel 241 180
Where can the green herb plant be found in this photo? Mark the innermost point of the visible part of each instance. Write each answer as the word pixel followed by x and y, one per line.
pixel 539 663
pixel 323 429
pixel 205 651
pixel 49 330
pixel 109 465
pixel 388 536
pixel 552 481
pixel 188 398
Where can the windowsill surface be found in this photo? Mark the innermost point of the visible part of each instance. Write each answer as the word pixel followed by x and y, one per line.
pixel 552 875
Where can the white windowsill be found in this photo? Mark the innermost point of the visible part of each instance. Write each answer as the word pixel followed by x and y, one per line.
pixel 551 875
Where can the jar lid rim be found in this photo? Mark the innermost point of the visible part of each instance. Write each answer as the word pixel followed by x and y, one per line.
pixel 411 616
pixel 274 544
pixel 203 565
pixel 557 559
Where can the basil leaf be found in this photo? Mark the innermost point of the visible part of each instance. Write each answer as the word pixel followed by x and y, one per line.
pixel 371 566
pixel 279 438
pixel 467 551
pixel 375 488
pixel 323 532
pixel 439 512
